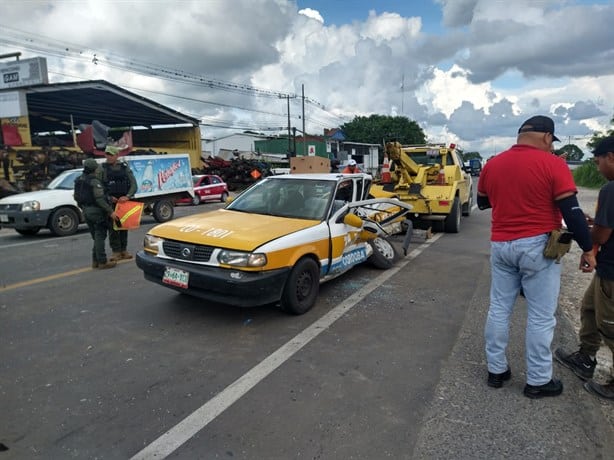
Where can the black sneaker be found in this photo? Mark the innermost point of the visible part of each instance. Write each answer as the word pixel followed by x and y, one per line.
pixel 580 363
pixel 496 380
pixel 552 388
pixel 602 390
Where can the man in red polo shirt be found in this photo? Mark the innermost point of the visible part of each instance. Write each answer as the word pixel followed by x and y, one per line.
pixel 529 190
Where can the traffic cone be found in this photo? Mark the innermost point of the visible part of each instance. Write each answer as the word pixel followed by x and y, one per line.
pixel 441 177
pixel 386 178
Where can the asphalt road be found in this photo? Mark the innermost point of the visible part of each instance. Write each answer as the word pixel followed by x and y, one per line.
pixel 388 364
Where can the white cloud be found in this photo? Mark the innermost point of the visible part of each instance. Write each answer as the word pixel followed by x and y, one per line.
pixel 313 14
pixel 490 68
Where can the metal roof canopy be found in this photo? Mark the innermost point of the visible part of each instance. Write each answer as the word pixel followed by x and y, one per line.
pixel 50 107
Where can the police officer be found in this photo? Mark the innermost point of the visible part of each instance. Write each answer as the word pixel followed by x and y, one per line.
pixel 120 185
pixel 90 196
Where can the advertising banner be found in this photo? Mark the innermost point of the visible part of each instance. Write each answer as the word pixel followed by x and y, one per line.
pixel 162 174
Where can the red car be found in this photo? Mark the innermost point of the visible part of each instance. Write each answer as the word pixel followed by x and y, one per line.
pixel 207 187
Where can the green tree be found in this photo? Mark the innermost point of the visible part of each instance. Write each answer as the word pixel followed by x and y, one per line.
pixel 471 155
pixel 600 135
pixel 587 175
pixel 376 129
pixel 574 153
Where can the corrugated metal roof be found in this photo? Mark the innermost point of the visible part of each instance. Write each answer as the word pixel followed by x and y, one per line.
pixel 51 106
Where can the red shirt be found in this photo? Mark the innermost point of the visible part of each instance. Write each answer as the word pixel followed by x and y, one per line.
pixel 521 184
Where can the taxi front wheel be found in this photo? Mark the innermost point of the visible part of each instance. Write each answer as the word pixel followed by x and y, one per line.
pixel 302 287
pixel 384 254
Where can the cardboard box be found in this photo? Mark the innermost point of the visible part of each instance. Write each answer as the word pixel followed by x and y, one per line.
pixel 315 164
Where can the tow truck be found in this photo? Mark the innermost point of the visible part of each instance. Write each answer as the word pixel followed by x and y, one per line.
pixel 431 178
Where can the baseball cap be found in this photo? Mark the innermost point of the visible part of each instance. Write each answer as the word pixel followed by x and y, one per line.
pixel 111 150
pixel 604 146
pixel 351 162
pixel 539 124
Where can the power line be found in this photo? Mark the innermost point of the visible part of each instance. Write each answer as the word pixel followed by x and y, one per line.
pixel 69 51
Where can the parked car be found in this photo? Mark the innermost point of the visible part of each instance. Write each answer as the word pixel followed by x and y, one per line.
pixel 55 208
pixel 276 242
pixel 207 187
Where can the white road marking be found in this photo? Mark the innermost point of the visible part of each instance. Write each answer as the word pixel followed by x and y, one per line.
pixel 201 417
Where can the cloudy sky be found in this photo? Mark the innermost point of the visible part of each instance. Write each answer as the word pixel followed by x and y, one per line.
pixel 467 71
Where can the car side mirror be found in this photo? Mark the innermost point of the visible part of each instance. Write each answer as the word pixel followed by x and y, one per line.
pixel 352 220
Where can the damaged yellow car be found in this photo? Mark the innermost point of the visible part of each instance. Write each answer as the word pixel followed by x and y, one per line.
pixel 276 242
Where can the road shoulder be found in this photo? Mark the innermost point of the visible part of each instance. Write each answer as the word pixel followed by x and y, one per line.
pixel 468 419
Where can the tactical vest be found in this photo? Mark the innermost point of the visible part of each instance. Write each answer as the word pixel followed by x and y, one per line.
pixel 117 182
pixel 84 192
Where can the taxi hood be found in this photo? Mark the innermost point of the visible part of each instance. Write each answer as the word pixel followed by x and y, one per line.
pixel 229 229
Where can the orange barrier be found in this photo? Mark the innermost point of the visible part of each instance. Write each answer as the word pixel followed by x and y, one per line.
pixel 386 177
pixel 129 215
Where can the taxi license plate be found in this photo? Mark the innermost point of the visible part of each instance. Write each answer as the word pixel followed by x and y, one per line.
pixel 4 218
pixel 176 277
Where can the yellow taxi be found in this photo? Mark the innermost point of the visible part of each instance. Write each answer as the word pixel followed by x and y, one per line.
pixel 276 242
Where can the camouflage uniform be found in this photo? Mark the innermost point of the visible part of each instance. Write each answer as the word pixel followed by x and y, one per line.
pixel 118 181
pixel 96 210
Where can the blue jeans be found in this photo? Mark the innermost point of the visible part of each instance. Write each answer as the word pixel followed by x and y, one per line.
pixel 515 264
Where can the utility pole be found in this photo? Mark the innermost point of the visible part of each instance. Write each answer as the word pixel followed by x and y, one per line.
pixel 293 141
pixel 403 94
pixel 304 134
pixel 289 129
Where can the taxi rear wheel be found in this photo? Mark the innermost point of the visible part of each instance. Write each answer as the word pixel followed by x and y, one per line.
pixel 302 287
pixel 384 254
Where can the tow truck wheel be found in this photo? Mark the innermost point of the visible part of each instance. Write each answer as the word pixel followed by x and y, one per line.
pixel 384 254
pixel 452 222
pixel 302 287
pixel 163 211
pixel 467 206
pixel 64 222
pixel 28 231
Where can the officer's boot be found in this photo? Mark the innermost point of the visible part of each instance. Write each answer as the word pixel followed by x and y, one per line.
pixel 108 264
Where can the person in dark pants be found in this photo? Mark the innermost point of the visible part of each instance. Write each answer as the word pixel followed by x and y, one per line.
pixel 120 185
pixel 90 196
pixel 597 310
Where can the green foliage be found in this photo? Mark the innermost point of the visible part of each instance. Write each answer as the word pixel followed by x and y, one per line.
pixel 598 136
pixel 587 175
pixel 377 129
pixel 574 153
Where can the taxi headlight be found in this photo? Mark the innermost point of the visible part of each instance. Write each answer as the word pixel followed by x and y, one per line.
pixel 241 259
pixel 31 206
pixel 152 243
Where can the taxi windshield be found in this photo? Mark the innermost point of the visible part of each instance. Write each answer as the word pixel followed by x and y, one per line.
pixel 293 198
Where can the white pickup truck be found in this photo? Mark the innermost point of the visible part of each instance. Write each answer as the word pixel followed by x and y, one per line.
pixel 161 179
